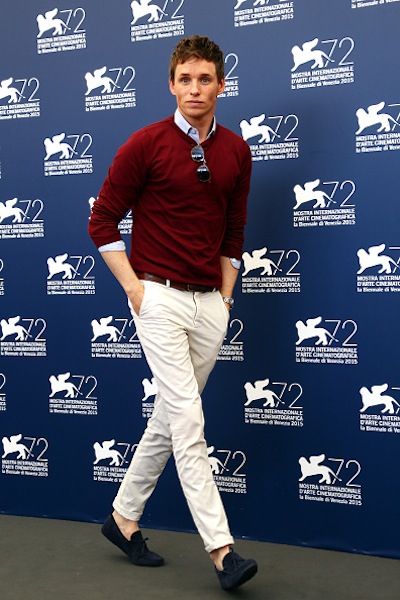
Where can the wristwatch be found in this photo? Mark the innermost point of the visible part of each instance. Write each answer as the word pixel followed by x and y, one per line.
pixel 229 301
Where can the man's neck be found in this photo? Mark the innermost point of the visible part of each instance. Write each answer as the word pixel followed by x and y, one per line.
pixel 203 128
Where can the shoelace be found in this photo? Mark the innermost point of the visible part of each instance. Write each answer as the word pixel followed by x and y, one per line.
pixel 144 548
pixel 235 558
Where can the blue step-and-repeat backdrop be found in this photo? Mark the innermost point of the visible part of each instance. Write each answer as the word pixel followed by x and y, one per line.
pixel 303 406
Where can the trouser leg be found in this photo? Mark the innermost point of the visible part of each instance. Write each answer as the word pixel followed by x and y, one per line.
pixel 148 462
pixel 178 330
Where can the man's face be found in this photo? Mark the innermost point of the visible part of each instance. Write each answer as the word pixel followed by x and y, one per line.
pixel 196 88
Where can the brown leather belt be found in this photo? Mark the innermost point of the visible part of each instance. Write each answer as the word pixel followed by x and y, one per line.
pixel 184 287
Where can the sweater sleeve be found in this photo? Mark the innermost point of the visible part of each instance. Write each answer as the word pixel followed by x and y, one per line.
pixel 120 191
pixel 232 245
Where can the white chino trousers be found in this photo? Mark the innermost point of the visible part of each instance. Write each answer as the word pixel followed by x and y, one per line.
pixel 181 334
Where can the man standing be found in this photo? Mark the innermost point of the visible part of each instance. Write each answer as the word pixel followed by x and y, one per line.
pixel 186 180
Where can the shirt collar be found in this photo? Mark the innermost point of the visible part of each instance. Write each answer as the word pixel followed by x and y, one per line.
pixel 181 122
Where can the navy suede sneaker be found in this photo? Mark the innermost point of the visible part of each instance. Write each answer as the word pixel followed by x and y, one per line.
pixel 237 571
pixel 136 549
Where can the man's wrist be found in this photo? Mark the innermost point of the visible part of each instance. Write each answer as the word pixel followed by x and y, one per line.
pixel 228 300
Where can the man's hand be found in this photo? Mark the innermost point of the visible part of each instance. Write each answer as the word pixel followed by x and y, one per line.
pixel 119 265
pixel 136 298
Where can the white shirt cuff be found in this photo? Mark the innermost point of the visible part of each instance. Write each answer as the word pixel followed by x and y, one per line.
pixel 113 246
pixel 235 262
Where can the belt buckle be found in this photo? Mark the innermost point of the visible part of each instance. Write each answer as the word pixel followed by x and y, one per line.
pixel 188 287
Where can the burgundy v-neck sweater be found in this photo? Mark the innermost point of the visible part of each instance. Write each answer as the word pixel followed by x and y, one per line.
pixel 181 226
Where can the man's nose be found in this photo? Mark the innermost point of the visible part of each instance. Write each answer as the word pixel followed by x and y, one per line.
pixel 194 88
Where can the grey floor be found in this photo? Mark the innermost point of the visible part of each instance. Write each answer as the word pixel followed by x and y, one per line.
pixel 45 559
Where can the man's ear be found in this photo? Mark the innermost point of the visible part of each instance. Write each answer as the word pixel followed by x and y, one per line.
pixel 221 86
pixel 172 87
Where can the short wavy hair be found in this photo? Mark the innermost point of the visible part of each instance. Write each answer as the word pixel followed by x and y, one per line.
pixel 197 46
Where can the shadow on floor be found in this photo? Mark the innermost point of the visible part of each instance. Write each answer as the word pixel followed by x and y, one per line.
pixel 45 559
